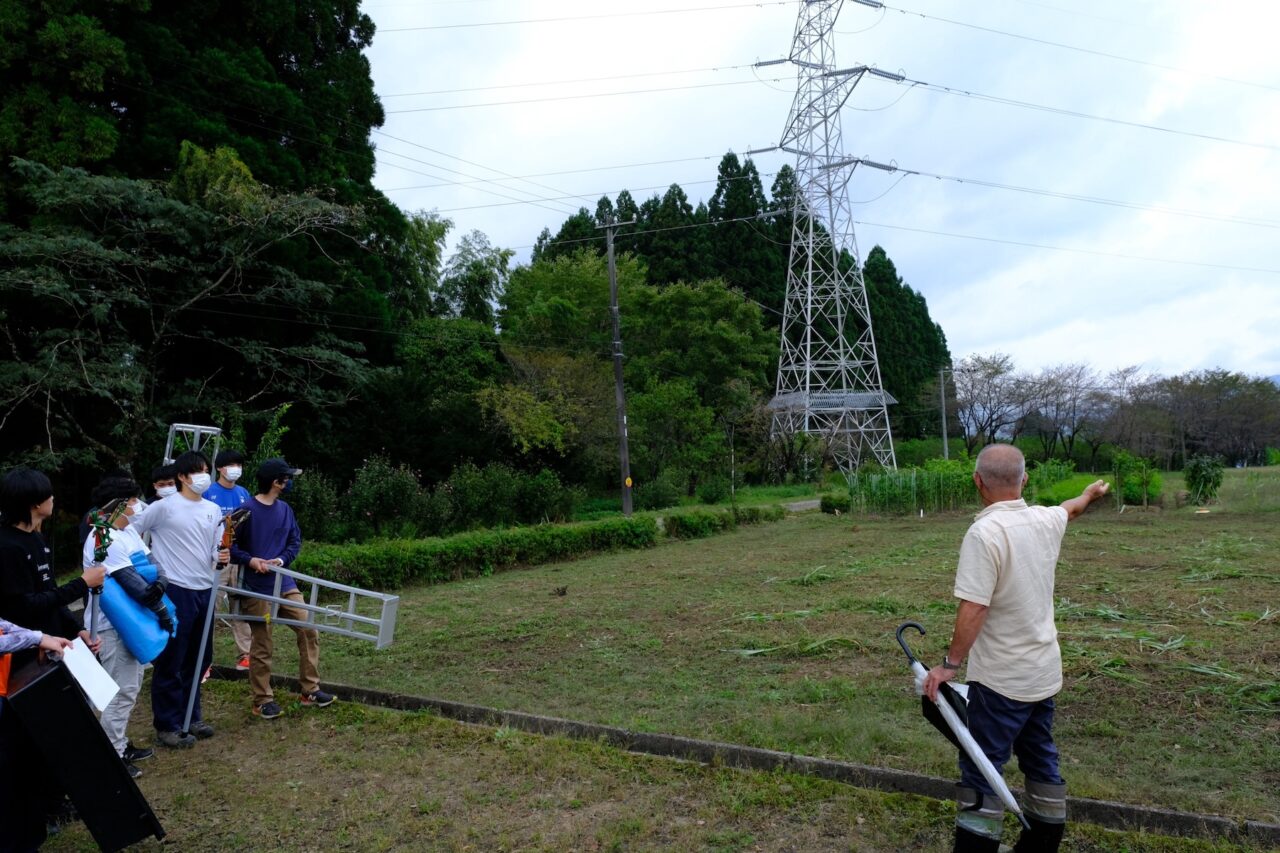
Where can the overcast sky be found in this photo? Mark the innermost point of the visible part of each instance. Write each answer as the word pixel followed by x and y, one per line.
pixel 1217 306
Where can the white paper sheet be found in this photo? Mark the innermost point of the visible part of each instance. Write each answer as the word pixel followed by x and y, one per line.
pixel 93 679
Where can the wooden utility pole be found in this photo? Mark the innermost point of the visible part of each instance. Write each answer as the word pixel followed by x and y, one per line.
pixel 624 457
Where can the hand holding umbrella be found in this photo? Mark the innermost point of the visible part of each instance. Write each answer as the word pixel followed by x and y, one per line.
pixel 946 712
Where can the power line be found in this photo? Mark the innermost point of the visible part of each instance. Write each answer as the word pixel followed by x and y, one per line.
pixel 1069 249
pixel 567 82
pixel 600 16
pixel 1089 51
pixel 1239 220
pixel 580 97
pixel 472 163
pixel 349 150
pixel 577 171
pixel 995 99
pixel 611 192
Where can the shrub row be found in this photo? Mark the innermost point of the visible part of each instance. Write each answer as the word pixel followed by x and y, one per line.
pixel 703 522
pixel 391 563
pixel 385 501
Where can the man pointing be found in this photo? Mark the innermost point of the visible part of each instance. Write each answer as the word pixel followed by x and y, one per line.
pixel 1004 624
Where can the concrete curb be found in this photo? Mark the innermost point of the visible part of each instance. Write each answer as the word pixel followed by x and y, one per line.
pixel 1105 813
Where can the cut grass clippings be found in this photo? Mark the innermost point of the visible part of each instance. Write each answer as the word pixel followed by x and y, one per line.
pixel 355 778
pixel 638 640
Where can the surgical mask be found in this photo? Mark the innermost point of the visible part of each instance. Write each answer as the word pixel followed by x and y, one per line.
pixel 200 483
pixel 165 491
pixel 233 472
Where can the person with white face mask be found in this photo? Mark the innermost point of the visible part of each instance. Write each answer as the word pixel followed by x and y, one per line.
pixel 162 482
pixel 186 540
pixel 230 496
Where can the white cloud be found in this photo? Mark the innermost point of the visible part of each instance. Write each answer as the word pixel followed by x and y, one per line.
pixel 1041 306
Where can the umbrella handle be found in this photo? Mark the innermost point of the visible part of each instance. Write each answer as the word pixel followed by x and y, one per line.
pixel 905 648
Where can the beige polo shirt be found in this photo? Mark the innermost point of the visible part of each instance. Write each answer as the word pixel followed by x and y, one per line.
pixel 1007 562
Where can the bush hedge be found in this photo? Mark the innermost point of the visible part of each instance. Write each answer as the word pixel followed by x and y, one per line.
pixel 391 563
pixel 834 503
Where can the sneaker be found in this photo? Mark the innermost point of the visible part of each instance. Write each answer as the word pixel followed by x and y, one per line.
pixel 208 671
pixel 134 754
pixel 201 729
pixel 317 699
pixel 175 740
pixel 242 665
pixel 134 772
pixel 267 710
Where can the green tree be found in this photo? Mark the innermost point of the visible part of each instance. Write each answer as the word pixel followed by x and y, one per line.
pixel 702 332
pixel 474 279
pixel 670 429
pixel 126 306
pixel 910 346
pixel 576 234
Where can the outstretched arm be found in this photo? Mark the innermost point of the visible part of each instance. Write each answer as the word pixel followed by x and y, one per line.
pixel 1077 505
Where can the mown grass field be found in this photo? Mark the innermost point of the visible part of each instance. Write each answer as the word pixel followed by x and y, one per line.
pixel 782 637
pixel 362 779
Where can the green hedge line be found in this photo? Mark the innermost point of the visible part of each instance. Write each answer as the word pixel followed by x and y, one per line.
pixel 698 523
pixel 391 563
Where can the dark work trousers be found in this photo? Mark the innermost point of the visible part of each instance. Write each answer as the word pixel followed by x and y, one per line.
pixel 1000 726
pixel 24 787
pixel 176 668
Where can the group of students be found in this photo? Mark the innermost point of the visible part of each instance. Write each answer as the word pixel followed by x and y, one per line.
pixel 181 532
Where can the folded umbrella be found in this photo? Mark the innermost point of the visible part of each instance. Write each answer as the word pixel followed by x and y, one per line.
pixel 948 715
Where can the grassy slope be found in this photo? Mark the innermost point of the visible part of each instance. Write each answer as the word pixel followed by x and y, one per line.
pixel 1168 623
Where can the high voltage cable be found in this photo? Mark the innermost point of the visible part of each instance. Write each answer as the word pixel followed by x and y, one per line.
pixel 580 97
pixel 368 130
pixel 1239 220
pixel 1130 205
pixel 1068 248
pixel 336 144
pixel 600 16
pixel 580 171
pixel 995 99
pixel 1077 14
pixel 506 175
pixel 599 195
pixel 568 82
pixel 1089 51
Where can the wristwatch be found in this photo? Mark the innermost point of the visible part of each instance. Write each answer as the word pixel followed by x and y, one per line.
pixel 947 664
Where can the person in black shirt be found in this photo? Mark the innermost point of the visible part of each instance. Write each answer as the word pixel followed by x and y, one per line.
pixel 30 597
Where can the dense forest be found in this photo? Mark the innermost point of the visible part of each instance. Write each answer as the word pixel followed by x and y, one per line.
pixel 189 232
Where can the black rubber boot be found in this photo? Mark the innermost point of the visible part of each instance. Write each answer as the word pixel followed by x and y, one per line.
pixel 972 842
pixel 1041 837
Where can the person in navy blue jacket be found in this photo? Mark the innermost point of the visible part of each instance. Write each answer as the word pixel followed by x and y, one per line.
pixel 267 539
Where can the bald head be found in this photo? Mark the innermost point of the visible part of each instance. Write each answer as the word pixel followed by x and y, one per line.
pixel 1001 468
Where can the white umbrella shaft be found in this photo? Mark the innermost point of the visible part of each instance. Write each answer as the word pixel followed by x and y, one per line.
pixel 970 746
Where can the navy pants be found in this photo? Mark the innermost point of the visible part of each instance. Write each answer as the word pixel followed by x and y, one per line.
pixel 175 669
pixel 1000 726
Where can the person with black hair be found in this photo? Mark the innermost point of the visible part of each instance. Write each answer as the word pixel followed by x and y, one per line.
pixel 162 481
pixel 184 530
pixel 28 593
pixel 267 539
pixel 117 660
pixel 230 496
pixel 30 597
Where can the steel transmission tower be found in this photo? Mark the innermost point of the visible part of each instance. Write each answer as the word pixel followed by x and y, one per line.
pixel 828 376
